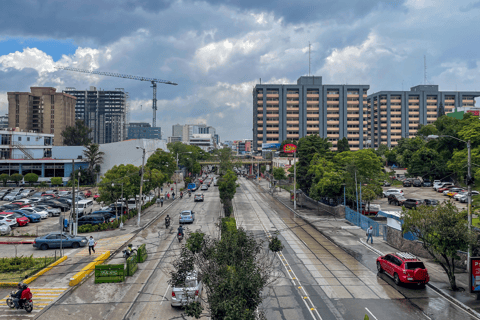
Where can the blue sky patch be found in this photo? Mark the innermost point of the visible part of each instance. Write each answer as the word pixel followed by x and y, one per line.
pixel 52 47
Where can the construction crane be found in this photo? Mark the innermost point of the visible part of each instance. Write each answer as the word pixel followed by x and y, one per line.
pixel 154 82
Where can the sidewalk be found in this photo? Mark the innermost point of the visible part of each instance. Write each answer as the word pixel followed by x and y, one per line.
pixel 331 228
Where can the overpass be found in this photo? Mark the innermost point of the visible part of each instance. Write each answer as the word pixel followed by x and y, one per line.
pixel 242 161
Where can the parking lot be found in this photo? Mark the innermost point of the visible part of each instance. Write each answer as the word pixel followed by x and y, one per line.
pixel 416 193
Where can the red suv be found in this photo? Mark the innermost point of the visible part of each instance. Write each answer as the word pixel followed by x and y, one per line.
pixel 403 267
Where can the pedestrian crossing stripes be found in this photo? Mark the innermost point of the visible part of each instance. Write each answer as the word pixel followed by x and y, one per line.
pixel 42 297
pixel 106 244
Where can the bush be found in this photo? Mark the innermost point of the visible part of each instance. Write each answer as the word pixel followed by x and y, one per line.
pixel 56 181
pixel 229 225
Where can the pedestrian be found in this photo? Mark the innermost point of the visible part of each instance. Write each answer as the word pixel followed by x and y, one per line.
pixel 171 189
pixel 91 245
pixel 370 234
pixel 161 202
pixel 173 195
pixel 168 195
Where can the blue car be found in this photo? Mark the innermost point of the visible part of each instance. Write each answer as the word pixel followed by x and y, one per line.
pixel 33 217
pixel 55 240
pixel 187 216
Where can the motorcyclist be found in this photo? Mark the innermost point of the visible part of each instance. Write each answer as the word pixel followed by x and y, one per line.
pixel 17 295
pixel 180 230
pixel 167 220
pixel 129 250
pixel 181 195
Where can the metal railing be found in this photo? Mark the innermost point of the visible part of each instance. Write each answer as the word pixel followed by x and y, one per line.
pixel 363 222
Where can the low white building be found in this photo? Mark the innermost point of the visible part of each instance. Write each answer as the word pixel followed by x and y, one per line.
pixel 18 144
pixel 205 141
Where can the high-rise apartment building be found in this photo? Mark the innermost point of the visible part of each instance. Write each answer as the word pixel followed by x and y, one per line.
pixel 177 130
pixel 393 115
pixel 103 111
pixel 293 111
pixel 43 110
pixel 143 130
pixel 4 122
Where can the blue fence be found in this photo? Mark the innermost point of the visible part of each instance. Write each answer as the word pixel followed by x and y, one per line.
pixel 363 222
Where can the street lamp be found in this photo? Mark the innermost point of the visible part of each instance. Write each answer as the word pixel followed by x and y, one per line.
pixel 141 186
pixel 113 198
pixel 469 185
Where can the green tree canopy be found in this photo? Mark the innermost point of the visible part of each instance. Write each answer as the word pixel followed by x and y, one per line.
pixel 76 135
pixel 424 162
pixel 126 174
pixel 16 177
pixel 227 186
pixel 327 178
pixel 94 158
pixel 4 178
pixel 279 174
pixel 31 178
pixel 342 145
pixel 56 181
pixel 162 161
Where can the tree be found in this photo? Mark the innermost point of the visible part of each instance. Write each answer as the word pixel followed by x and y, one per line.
pixel 225 158
pixel 126 174
pixel 279 174
pixel 94 158
pixel 56 181
pixel 162 161
pixel 423 162
pixel 227 187
pixel 342 145
pixel 77 135
pixel 31 178
pixel 327 178
pixel 4 178
pixel 16 177
pixel 443 230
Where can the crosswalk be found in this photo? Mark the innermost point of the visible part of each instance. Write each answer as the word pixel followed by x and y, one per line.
pixel 106 244
pixel 42 297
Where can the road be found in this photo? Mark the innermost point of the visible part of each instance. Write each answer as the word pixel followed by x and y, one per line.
pixel 321 279
pixel 144 295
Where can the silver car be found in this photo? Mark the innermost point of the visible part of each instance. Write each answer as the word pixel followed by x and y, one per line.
pixel 190 291
pixel 5 228
pixel 50 210
pixel 11 196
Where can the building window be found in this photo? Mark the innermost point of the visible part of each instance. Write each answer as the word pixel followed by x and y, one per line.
pixel 28 138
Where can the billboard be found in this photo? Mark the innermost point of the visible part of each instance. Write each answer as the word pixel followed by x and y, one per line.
pixel 474 112
pixel 270 146
pixel 474 274
pixel 289 148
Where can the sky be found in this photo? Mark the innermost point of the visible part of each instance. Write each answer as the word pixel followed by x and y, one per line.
pixel 218 50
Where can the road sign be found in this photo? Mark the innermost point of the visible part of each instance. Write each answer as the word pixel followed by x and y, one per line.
pixel 289 148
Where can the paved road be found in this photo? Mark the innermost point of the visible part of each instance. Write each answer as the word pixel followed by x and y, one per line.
pixel 146 294
pixel 323 280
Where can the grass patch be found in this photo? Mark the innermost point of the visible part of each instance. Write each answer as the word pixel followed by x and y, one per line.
pixel 15 269
pixel 475 222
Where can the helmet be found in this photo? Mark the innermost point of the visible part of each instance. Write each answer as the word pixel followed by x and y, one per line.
pixel 130 245
pixel 24 285
pixel 168 216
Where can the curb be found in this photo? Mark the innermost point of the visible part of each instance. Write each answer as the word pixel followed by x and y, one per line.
pixel 16 242
pixel 436 289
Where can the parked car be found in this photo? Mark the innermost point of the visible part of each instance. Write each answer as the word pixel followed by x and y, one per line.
pixel 412 203
pixel 64 193
pixel 49 195
pixel 440 190
pixel 54 203
pixel 50 210
pixel 426 183
pixel 24 201
pixel 386 183
pixel 452 192
pixel 198 197
pixel 32 217
pixel 407 183
pixel 21 204
pixel 3 195
pixel 12 196
pixel 189 291
pixel 53 240
pixel 396 199
pixel 42 213
pixel 38 194
pixel 84 207
pixel 11 221
pixel 91 219
pixel 5 228
pixel 108 215
pixel 10 206
pixel 20 220
pixel 417 183
pixel 431 202
pixel 442 184
pixel 88 194
pixel 388 192
pixel 403 268
pixel 187 216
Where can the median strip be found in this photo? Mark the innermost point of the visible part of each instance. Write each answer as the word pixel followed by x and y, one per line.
pixel 77 278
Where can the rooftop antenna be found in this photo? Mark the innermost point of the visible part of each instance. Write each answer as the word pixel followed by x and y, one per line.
pixel 424 69
pixel 309 54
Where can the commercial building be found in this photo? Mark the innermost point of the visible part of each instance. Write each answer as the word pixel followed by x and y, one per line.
pixel 393 115
pixel 43 110
pixel 25 145
pixel 174 139
pixel 4 122
pixel 293 111
pixel 204 141
pixel 177 130
pixel 103 111
pixel 143 130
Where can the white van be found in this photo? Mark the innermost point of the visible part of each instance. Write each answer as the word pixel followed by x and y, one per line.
pixel 84 207
pixel 131 204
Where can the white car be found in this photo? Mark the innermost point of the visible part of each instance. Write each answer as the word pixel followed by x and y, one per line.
pixel 24 201
pixel 5 228
pixel 190 291
pixel 388 192
pixel 42 213
pixel 33 200
pixel 8 219
pixel 459 195
pixel 51 210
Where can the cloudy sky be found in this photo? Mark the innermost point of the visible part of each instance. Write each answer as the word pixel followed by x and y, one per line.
pixel 217 50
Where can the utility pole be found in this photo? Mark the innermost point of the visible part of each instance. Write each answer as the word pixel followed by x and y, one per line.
pixel 176 169
pixel 469 199
pixel 73 213
pixel 295 180
pixel 141 186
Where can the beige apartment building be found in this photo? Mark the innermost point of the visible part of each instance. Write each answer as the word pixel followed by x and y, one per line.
pixel 393 115
pixel 292 111
pixel 43 110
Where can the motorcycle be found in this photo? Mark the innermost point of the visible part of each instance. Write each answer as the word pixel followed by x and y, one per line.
pixel 167 224
pixel 180 237
pixel 189 195
pixel 26 304
pixel 127 253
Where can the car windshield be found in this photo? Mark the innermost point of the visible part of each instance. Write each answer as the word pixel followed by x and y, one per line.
pixel 434 201
pixel 190 283
pixel 414 265
pixel 185 213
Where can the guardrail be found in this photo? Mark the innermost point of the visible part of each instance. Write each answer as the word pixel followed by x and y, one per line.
pixel 142 254
pixel 132 265
pixel 363 222
pixel 110 273
pixel 89 268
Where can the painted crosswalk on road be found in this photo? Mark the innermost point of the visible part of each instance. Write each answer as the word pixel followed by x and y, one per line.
pixel 106 244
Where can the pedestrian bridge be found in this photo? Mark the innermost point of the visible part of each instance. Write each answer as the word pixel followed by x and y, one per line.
pixel 235 161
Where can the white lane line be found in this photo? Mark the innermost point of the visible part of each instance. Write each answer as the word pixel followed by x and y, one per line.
pixel 371 313
pixel 165 295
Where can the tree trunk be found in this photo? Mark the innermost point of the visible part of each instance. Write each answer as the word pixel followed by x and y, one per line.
pixel 453 282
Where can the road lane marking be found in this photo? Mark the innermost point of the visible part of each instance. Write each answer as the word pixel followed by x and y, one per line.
pixel 371 313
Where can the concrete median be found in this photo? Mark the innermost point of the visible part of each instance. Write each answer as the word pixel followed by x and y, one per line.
pixel 89 268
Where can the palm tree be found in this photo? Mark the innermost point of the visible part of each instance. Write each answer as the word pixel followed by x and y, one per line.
pixel 94 157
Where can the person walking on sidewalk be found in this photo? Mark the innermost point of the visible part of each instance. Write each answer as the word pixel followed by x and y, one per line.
pixel 161 202
pixel 173 195
pixel 370 234
pixel 91 245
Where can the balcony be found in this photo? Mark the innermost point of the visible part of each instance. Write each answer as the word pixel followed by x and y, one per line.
pixel 272 116
pixel 353 129
pixel 395 101
pixel 353 95
pixel 271 95
pixel 292 95
pixel 467 101
pixel 270 108
pixel 352 122
pixel 292 122
pixel 260 122
pixel 355 116
pixel 272 135
pixel 269 102
pixel 396 125
pixel 313 95
pixel 449 101
pixel 383 113
pixel 272 121
pixel 383 119
pixel 414 119
pixel 292 136
pixel 413 113
pixel 396 113
pixel 431 113
pixel 414 107
pixel 260 116
pixel 383 107
pixel 309 103
pixel 292 115
pixel 312 129
pixel 353 136
pixel 259 102
pixel 412 131
pixel 260 136
pixel 333 129
pixel 353 103
pixel 431 119
pixel 354 142
pixel 333 135
pixel 383 101
pixel 384 137
pixel 333 95
pixel 333 103
pixel 432 107
pixel 331 122
pixel 260 96
pixel 313 122
pixel 296 102
pixel 335 116
pixel 293 128
pixel 383 125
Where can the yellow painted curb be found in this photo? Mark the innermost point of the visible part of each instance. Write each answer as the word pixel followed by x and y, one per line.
pixel 36 275
pixel 88 269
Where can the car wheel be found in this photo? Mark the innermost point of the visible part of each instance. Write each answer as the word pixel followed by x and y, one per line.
pixel 75 245
pixel 44 246
pixel 379 267
pixel 396 279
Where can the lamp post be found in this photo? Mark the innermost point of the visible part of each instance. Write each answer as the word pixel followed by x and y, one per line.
pixel 141 186
pixel 79 174
pixel 116 217
pixel 469 186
